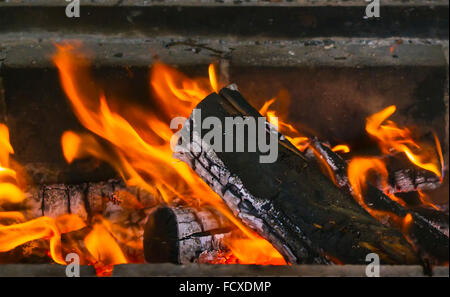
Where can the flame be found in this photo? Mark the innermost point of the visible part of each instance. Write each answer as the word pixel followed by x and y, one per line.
pixel 15 229
pixel 300 141
pixel 104 249
pixel 22 231
pixel 359 169
pixel 177 94
pixel 140 151
pixel 213 78
pixel 254 251
pixel 358 173
pixel 9 191
pixel 426 200
pixel 341 148
pixel 42 227
pixel 392 138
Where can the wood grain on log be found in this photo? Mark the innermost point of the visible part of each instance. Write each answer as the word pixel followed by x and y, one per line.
pixel 180 234
pixel 289 202
pixel 84 200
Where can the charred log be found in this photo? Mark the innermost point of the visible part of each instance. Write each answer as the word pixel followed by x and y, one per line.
pixel 107 198
pixel 180 234
pixel 288 202
pixel 403 175
pixel 122 206
pixel 429 228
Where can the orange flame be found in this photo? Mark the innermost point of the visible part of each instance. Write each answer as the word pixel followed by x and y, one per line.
pixel 42 227
pixel 104 249
pixel 9 191
pixel 22 231
pixel 300 141
pixel 426 200
pixel 290 132
pixel 392 139
pixel 341 148
pixel 254 251
pixel 142 156
pixel 358 173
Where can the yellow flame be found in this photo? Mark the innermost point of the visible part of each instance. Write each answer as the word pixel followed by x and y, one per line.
pixel 391 139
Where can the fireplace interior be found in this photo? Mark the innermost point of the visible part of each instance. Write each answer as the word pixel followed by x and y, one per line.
pixel 329 70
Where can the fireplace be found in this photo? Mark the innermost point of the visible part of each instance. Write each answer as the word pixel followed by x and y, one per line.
pixel 360 111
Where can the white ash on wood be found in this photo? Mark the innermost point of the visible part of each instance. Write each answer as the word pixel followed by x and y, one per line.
pixel 180 234
pixel 290 202
pixel 86 199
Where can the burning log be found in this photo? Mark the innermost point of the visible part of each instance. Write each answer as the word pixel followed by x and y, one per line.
pixel 86 199
pixel 120 205
pixel 403 175
pixel 180 234
pixel 289 202
pixel 429 229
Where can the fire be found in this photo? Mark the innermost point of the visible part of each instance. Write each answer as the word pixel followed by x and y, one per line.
pixel 292 134
pixel 213 78
pixel 9 191
pixel 426 200
pixel 140 150
pixel 18 230
pixel 42 227
pixel 300 141
pixel 254 251
pixel 104 249
pixel 138 147
pixel 359 171
pixel 393 139
pixel 343 148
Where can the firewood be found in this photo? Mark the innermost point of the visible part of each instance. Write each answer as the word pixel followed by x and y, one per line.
pixel 289 202
pixel 180 234
pixel 429 228
pixel 84 200
pixel 403 175
pixel 122 206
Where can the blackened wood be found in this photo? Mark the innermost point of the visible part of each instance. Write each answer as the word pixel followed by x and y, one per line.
pixel 289 202
pixel 180 234
pixel 403 175
pixel 429 229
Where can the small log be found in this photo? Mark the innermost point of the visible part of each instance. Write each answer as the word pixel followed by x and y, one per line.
pixel 84 200
pixel 180 234
pixel 289 202
pixel 403 175
pixel 125 207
